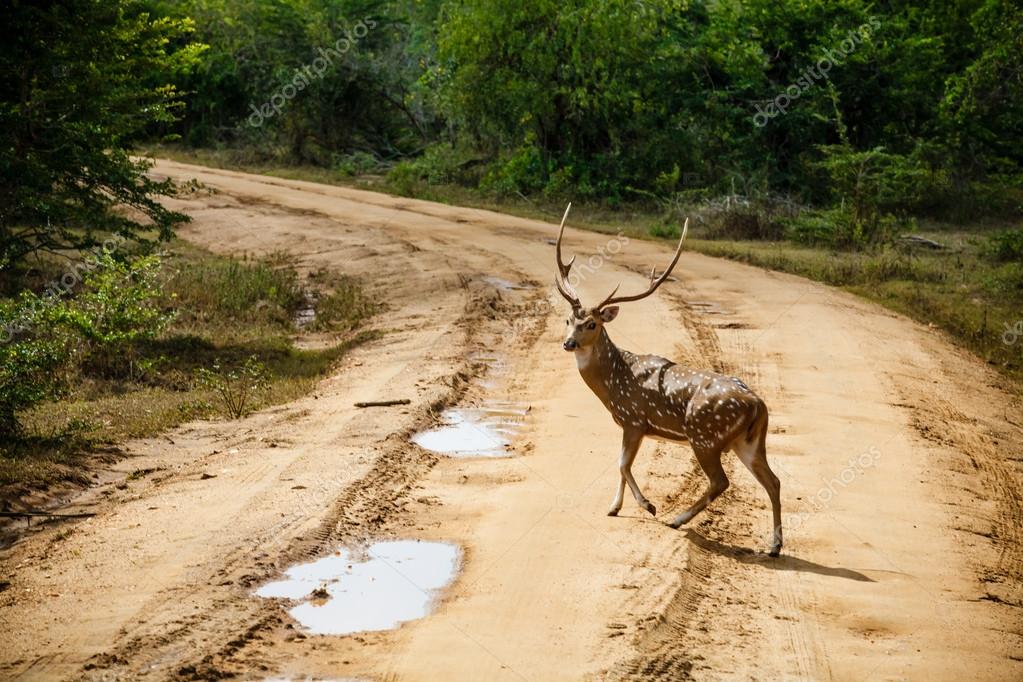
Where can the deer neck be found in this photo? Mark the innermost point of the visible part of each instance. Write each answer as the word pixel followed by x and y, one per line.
pixel 597 364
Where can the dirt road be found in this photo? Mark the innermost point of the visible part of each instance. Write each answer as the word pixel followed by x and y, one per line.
pixel 901 461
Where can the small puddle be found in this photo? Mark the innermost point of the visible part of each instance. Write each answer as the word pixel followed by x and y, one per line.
pixel 394 581
pixel 305 315
pixel 502 283
pixel 485 431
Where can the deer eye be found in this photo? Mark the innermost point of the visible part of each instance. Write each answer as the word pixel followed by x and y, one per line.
pixel 591 325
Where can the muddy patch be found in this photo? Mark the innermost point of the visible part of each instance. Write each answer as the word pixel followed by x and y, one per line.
pixel 387 584
pixel 708 308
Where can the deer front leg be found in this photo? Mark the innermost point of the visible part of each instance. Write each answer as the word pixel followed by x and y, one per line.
pixel 631 440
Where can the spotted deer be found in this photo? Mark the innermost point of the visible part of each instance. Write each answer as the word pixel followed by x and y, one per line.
pixel 648 395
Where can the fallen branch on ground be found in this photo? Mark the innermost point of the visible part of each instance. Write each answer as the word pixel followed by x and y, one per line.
pixel 384 403
pixel 12 514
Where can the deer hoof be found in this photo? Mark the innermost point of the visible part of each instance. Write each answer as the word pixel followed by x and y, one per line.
pixel 613 511
pixel 775 551
pixel 650 508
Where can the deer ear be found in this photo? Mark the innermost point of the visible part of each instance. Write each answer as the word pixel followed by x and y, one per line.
pixel 609 313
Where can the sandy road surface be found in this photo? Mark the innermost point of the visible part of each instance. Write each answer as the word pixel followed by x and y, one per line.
pixel 901 461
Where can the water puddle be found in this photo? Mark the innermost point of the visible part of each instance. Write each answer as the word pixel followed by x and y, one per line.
pixel 485 431
pixel 305 315
pixel 392 582
pixel 503 284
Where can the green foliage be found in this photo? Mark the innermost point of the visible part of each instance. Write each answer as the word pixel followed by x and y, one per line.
pixel 356 163
pixel 873 187
pixel 819 102
pixel 308 80
pixel 117 307
pixel 237 388
pixel 1006 246
pixel 665 231
pixel 82 81
pixel 31 371
pixel 50 339
pixel 343 308
pixel 442 163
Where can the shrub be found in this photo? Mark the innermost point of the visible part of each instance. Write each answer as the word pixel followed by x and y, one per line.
pixel 440 164
pixel 734 216
pixel 1006 246
pixel 117 306
pixel 239 388
pixel 47 339
pixel 31 371
pixel 874 188
pixel 357 163
pixel 812 228
pixel 522 172
pixel 665 231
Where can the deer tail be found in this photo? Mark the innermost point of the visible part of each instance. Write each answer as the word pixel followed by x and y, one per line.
pixel 758 424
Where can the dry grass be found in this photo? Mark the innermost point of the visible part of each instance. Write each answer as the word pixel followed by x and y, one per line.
pixel 227 311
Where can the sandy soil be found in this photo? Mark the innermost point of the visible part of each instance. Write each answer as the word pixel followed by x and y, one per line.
pixel 901 461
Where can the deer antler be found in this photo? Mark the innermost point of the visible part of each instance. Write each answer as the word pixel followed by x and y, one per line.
pixel 654 283
pixel 564 288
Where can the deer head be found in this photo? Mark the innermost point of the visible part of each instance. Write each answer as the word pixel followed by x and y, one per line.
pixel 584 326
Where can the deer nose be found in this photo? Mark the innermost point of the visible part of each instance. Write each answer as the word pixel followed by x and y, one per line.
pixel 571 344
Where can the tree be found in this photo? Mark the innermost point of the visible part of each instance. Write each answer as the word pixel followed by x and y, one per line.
pixel 80 81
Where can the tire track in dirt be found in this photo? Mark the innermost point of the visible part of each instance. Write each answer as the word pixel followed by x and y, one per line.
pixel 664 649
pixel 370 507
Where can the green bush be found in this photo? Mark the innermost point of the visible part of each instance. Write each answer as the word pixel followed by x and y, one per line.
pixel 1006 246
pixel 117 306
pixel 239 388
pixel 356 163
pixel 440 164
pixel 812 228
pixel 665 231
pixel 874 188
pixel 49 339
pixel 31 370
pixel 839 228
pixel 522 172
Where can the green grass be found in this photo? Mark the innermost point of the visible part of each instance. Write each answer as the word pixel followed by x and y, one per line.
pixel 226 311
pixel 967 289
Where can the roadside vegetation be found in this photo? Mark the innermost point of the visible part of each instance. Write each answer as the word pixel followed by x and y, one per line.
pixel 145 343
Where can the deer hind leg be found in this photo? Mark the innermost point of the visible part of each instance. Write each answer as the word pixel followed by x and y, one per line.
pixel 710 462
pixel 631 440
pixel 616 504
pixel 754 455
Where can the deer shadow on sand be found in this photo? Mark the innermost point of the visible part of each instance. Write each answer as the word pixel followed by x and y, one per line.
pixel 784 562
